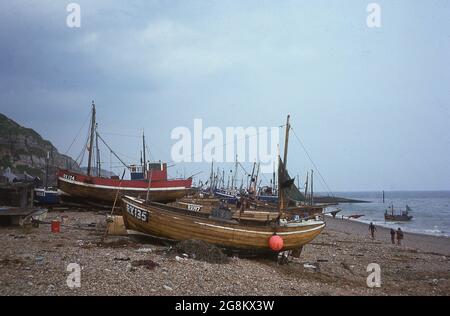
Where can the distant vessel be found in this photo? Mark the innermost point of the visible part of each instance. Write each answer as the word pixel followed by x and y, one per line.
pixel 355 216
pixel 403 217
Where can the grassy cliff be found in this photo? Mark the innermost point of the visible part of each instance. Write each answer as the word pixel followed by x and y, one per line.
pixel 23 150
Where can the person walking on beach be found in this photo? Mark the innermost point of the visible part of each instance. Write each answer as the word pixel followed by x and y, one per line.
pixel 393 236
pixel 399 236
pixel 372 230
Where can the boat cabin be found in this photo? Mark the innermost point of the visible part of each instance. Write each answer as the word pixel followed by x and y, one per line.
pixel 158 172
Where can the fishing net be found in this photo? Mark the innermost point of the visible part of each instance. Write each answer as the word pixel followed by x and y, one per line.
pixel 200 250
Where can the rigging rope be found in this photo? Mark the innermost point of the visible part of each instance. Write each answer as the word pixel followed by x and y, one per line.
pixel 312 162
pixel 104 142
pixel 78 134
pixel 83 151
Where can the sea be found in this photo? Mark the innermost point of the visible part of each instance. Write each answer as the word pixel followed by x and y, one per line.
pixel 430 210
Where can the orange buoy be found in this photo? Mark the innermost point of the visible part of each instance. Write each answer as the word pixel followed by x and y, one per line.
pixel 276 243
pixel 56 226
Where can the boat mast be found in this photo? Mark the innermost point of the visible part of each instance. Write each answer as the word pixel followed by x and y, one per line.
pixel 286 142
pixel 211 191
pixel 223 179
pixel 273 180
pixel 99 164
pixel 306 187
pixel 256 179
pixel 217 179
pixel 144 167
pixel 46 170
pixel 282 173
pixel 235 174
pixel 91 141
pixel 251 178
pixel 312 187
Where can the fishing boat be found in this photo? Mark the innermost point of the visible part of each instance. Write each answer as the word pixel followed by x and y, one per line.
pixel 403 217
pixel 219 227
pixel 267 194
pixel 46 195
pixel 355 216
pixel 229 196
pixel 148 180
pixel 247 209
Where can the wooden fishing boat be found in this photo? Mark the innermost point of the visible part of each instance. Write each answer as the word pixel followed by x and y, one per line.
pixel 81 186
pixel 165 221
pixel 148 180
pixel 219 227
pixel 252 210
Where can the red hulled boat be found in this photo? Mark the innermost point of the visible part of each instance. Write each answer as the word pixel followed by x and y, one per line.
pixel 159 188
pixel 148 181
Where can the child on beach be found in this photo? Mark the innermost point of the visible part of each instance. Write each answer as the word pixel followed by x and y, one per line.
pixel 399 236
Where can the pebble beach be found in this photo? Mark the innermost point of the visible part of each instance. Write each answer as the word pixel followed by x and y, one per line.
pixel 34 261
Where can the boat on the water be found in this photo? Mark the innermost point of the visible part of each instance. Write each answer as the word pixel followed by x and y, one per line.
pixel 356 216
pixel 219 227
pixel 148 180
pixel 403 217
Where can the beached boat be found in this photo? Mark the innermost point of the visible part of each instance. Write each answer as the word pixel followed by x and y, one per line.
pixel 159 189
pixel 403 217
pixel 164 221
pixel 46 196
pixel 148 180
pixel 247 209
pixel 219 227
pixel 229 196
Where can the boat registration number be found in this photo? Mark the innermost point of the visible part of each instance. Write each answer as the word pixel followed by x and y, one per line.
pixel 194 208
pixel 69 177
pixel 138 213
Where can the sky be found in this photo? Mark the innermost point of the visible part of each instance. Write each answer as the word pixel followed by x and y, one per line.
pixel 370 105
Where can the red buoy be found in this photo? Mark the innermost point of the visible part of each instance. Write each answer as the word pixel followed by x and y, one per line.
pixel 276 243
